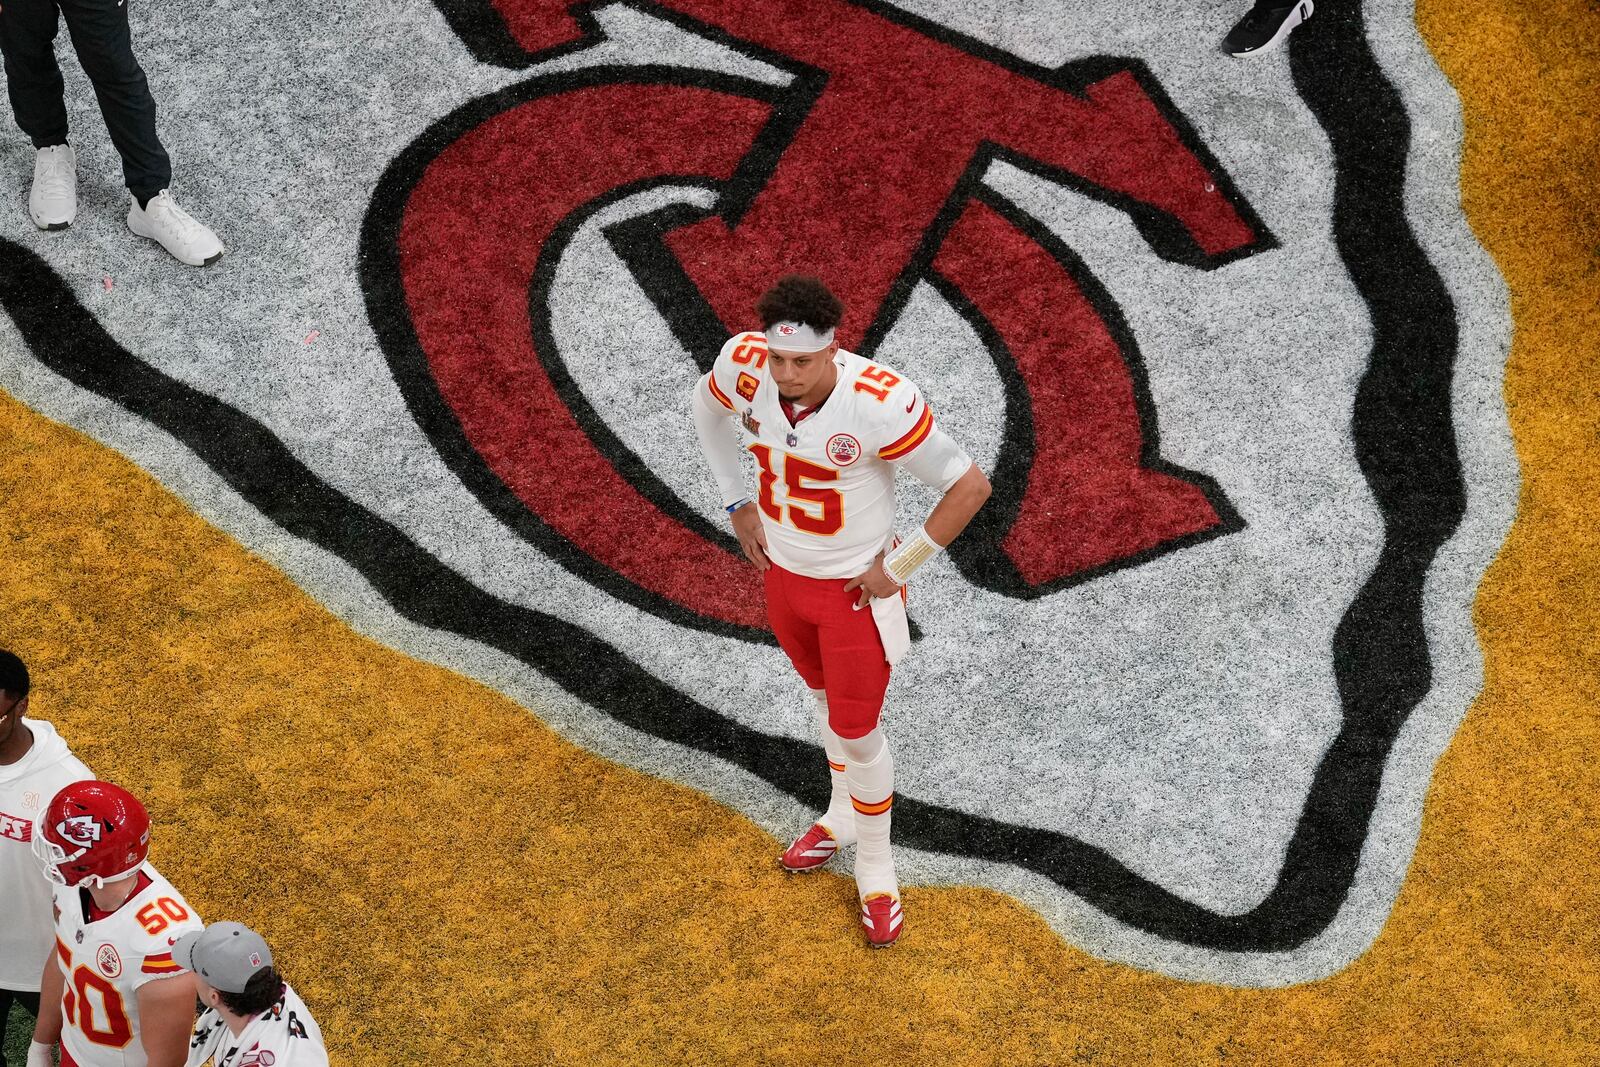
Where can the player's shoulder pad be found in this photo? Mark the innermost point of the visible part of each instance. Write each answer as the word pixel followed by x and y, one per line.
pixel 907 420
pixel 874 375
pixel 904 390
pixel 736 374
pixel 163 916
pixel 739 348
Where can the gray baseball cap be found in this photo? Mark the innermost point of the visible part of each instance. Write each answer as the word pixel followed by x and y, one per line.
pixel 225 955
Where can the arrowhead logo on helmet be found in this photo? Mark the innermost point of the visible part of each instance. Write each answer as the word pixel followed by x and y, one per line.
pixel 81 830
pixel 93 832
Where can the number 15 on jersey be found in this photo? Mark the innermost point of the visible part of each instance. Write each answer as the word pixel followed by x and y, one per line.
pixel 807 503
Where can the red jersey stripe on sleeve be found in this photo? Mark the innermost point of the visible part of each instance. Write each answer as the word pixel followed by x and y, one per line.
pixel 160 963
pixel 722 398
pixel 913 437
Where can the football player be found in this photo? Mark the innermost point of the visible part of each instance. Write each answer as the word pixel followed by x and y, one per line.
pixel 112 994
pixel 828 429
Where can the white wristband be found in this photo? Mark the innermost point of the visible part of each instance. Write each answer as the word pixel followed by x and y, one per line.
pixel 916 550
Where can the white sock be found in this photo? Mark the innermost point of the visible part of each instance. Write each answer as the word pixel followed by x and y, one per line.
pixel 840 817
pixel 870 771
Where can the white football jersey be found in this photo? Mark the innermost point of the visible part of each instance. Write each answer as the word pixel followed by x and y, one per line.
pixel 285 1035
pixel 826 493
pixel 106 960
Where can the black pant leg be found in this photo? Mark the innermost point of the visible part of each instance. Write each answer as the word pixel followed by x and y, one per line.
pixel 33 80
pixel 101 37
pixel 30 1001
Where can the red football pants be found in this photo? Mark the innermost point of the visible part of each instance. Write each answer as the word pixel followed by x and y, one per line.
pixel 833 646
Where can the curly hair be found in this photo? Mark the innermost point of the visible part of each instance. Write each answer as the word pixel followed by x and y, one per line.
pixel 800 298
pixel 260 993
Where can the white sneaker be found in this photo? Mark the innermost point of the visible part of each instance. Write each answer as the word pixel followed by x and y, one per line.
pixel 178 232
pixel 53 201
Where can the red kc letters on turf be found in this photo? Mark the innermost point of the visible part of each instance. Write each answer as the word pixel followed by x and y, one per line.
pixel 886 132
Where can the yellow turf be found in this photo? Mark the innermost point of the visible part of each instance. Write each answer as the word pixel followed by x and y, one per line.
pixel 449 881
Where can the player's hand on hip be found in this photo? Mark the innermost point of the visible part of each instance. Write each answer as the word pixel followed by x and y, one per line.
pixel 752 538
pixel 873 583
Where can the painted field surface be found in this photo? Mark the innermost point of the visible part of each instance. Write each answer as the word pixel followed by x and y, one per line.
pixel 1253 723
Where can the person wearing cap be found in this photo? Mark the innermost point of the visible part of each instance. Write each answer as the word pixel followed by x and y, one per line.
pixel 251 1015
pixel 829 430
pixel 34 764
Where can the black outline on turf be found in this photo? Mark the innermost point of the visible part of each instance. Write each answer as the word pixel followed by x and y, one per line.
pixel 977 554
pixel 1404 443
pixel 1380 652
pixel 391 322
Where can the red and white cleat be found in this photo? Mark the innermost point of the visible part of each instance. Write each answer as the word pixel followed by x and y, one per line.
pixel 882 919
pixel 810 850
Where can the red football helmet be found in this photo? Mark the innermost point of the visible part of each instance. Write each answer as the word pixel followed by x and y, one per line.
pixel 92 833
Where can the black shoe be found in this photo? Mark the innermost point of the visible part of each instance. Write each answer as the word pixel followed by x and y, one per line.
pixel 1266 26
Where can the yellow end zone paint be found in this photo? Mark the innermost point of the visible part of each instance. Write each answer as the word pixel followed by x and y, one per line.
pixel 448 881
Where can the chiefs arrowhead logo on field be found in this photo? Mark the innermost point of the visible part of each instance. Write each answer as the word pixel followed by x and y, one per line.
pixel 1178 687
pixel 1181 685
pixel 1079 446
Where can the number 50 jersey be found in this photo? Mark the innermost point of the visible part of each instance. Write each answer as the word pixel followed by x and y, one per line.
pixel 106 958
pixel 827 484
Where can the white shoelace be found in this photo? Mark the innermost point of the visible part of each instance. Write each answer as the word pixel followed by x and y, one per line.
pixel 174 217
pixel 57 176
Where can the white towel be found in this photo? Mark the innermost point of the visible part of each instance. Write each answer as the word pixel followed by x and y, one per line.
pixel 889 614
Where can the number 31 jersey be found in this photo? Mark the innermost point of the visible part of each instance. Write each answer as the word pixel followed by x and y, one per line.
pixel 826 496
pixel 106 958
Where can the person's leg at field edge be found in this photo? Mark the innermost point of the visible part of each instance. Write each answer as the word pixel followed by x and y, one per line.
pixel 797 636
pixel 103 40
pixel 37 93
pixel 1266 25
